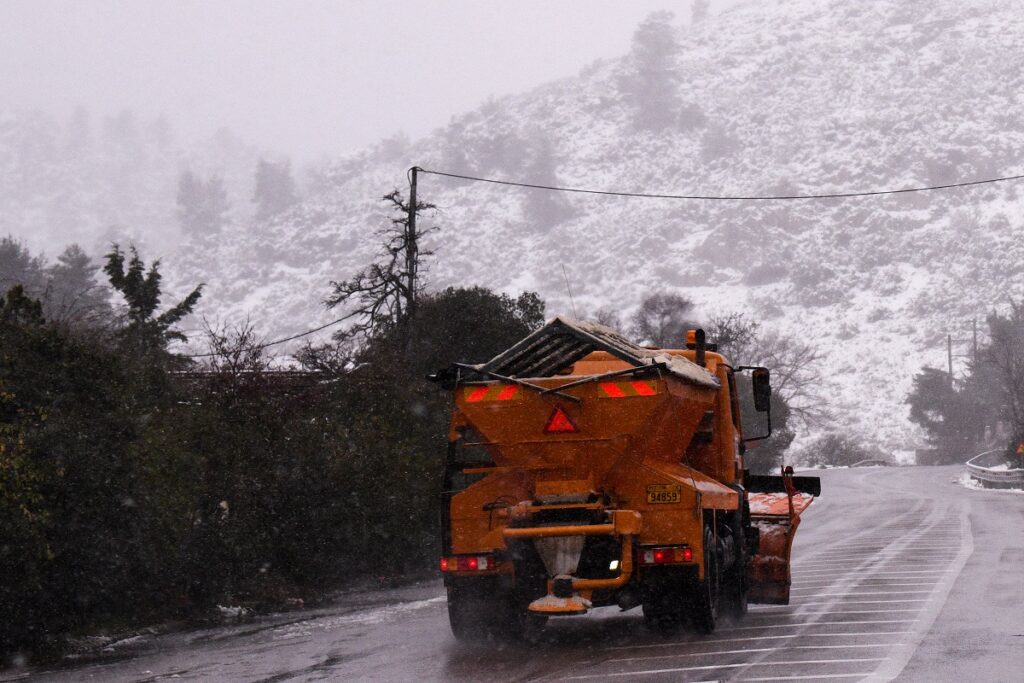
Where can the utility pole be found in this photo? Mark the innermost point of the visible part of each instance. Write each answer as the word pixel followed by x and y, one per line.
pixel 411 248
pixel 412 261
pixel 949 356
pixel 974 347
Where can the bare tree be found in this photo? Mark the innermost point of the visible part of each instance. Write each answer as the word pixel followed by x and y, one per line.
pixel 735 334
pixel 384 293
pixel 607 316
pixel 235 350
pixel 796 375
pixel 663 320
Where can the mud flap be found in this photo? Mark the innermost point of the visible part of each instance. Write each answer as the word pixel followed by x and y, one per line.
pixel 775 507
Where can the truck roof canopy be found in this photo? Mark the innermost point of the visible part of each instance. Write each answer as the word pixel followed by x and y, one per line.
pixel 563 341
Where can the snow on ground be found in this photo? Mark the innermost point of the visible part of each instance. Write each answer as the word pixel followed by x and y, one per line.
pixel 373 616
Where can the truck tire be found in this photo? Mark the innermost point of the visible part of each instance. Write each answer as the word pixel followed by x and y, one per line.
pixel 479 611
pixel 471 616
pixel 735 581
pixel 664 613
pixel 663 599
pixel 704 594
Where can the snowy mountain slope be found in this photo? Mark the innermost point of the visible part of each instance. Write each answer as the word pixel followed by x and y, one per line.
pixel 781 98
pixel 95 180
pixel 789 97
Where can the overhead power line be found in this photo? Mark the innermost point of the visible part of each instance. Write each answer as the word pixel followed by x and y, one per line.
pixel 260 347
pixel 645 195
pixel 713 197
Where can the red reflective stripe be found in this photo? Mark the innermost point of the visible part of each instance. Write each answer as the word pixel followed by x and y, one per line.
pixel 612 389
pixel 643 388
pixel 508 392
pixel 476 395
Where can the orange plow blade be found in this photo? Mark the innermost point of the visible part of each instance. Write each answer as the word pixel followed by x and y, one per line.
pixel 775 507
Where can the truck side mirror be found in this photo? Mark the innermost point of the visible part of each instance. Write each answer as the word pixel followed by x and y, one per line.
pixel 762 390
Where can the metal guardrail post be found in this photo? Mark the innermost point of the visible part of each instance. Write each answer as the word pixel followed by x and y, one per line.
pixel 993 478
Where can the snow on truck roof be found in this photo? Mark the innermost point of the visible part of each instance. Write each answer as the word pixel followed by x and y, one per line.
pixel 563 341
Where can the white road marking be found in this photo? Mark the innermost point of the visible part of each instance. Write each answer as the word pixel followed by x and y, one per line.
pixel 841 611
pixel 887 585
pixel 853 592
pixel 740 652
pixel 749 638
pixel 833 603
pixel 822 623
pixel 902 571
pixel 904 651
pixel 860 585
pixel 712 667
pixel 804 678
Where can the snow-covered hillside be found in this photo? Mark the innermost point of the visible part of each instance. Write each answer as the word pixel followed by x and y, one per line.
pixel 787 97
pixel 768 98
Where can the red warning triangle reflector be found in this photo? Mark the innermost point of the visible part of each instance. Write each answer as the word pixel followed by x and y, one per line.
pixel 559 423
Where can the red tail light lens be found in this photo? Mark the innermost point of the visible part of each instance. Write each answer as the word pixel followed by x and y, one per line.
pixel 666 555
pixel 468 563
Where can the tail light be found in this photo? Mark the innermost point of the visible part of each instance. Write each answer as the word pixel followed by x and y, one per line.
pixel 468 563
pixel 666 555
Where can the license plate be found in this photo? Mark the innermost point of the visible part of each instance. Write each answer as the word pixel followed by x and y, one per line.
pixel 664 493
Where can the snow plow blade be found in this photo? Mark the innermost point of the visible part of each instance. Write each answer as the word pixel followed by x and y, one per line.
pixel 775 507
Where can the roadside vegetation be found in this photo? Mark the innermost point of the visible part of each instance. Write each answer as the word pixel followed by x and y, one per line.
pixel 984 409
pixel 139 484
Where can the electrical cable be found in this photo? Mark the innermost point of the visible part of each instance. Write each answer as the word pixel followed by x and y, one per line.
pixel 259 347
pixel 647 195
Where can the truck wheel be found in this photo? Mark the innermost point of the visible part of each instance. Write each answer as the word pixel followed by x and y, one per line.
pixel 735 595
pixel 469 617
pixel 736 583
pixel 478 613
pixel 663 599
pixel 664 614
pixel 705 594
pixel 526 626
pixel 478 616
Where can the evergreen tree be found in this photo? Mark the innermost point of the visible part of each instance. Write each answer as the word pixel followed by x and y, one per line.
pixel 651 81
pixel 73 294
pixel 950 415
pixel 19 267
pixel 202 205
pixel 1004 357
pixel 146 331
pixel 699 10
pixel 544 209
pixel 275 189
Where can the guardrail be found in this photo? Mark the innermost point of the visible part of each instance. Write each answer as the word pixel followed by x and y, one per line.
pixel 991 470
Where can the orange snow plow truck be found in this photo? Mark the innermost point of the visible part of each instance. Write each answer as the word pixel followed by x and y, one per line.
pixel 586 471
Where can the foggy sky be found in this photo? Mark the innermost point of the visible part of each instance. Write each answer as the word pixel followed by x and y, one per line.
pixel 306 77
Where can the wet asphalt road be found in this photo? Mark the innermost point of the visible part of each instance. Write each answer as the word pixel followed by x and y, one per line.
pixel 899 573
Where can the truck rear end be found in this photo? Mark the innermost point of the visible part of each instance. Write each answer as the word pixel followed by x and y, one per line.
pixel 585 471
